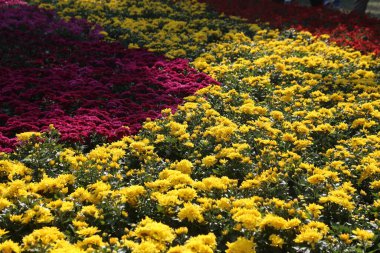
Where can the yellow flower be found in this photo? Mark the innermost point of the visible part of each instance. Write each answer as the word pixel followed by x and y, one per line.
pixel 187 193
pixel 363 235
pixel 202 243
pixel 63 246
pixel 88 231
pixel 174 178
pixel 91 211
pixel 179 249
pixel 16 218
pixel 114 241
pixel 324 128
pixel 210 183
pixel 339 197
pixel 45 236
pixel 273 221
pixel 276 241
pixel 320 226
pixel 43 215
pixel 94 240
pixel 224 204
pixel 67 206
pixel 132 194
pixel 191 212
pixel 181 230
pixel 249 218
pixel 241 245
pixel 146 247
pixel 52 185
pixel 4 203
pixel 9 247
pixel 3 232
pixel 14 168
pixel 302 144
pixel 149 229
pixel 289 137
pixel 185 166
pixel 293 223
pixel 160 138
pixel 166 200
pixel 309 236
pixel 79 224
pixel 345 238
pixel 27 135
pixel 314 209
pixel 133 46
pixel 277 115
pixel 374 185
pixel 166 112
pixel 209 161
pixel 81 194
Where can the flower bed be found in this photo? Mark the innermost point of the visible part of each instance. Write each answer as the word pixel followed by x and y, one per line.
pixel 283 156
pixel 178 30
pixel 54 72
pixel 11 2
pixel 359 32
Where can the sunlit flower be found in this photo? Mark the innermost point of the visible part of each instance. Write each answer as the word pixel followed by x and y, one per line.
pixel 9 246
pixel 276 240
pixel 363 235
pixel 191 213
pixel 241 245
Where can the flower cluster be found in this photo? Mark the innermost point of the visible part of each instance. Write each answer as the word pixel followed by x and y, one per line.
pixel 282 156
pixel 178 29
pixel 11 2
pixel 359 32
pixel 56 72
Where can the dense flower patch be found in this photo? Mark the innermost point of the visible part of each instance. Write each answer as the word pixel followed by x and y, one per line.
pixel 359 32
pixel 171 27
pixel 283 156
pixel 11 2
pixel 56 72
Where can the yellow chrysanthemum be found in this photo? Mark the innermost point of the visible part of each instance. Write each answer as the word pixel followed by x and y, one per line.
pixel 241 245
pixel 191 212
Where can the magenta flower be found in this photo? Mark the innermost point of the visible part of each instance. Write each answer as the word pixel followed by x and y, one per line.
pixel 61 73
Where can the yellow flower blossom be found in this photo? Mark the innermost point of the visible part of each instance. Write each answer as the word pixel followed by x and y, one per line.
pixel 9 246
pixel 191 212
pixel 185 166
pixel 273 221
pixel 314 209
pixel 88 231
pixel 345 238
pixel 276 241
pixel 149 229
pixel 309 236
pixel 4 203
pixel 27 135
pixel 249 218
pixel 241 245
pixel 45 236
pixel 363 235
pixel 209 161
pixel 201 243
